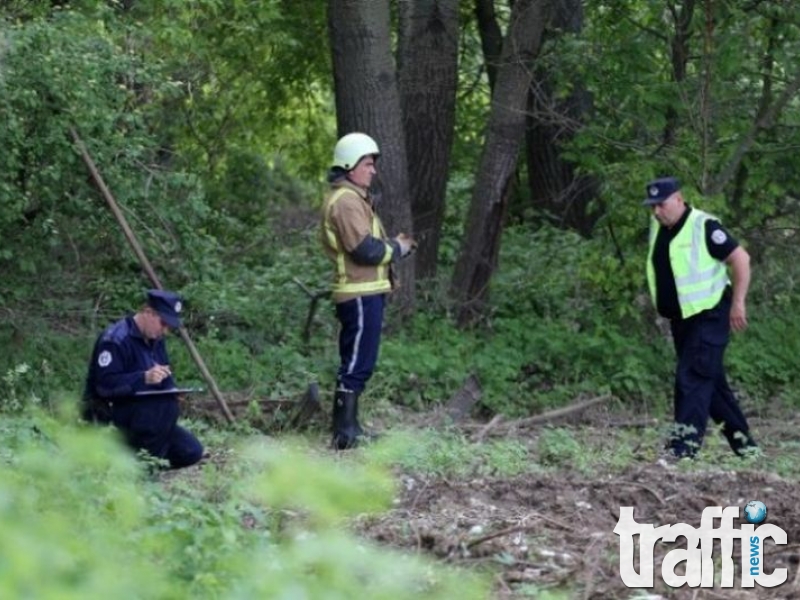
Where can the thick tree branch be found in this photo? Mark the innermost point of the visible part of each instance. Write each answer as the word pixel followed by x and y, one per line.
pixel 765 121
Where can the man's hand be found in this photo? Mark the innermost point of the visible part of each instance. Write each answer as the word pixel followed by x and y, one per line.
pixel 157 374
pixel 738 316
pixel 739 263
pixel 406 243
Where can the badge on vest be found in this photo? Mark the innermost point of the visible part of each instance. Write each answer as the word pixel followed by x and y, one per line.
pixel 719 237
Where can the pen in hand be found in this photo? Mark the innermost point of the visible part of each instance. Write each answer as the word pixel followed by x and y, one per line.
pixel 157 374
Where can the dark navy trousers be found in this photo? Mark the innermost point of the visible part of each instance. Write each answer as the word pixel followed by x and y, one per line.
pixel 361 321
pixel 701 387
pixel 151 424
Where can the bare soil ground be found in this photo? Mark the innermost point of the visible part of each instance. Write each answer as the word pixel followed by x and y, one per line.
pixel 553 530
pixel 556 530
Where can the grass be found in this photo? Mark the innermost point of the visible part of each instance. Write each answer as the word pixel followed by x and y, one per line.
pixel 448 453
pixel 585 450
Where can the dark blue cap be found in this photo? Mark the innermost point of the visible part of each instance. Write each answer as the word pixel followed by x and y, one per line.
pixel 659 190
pixel 168 305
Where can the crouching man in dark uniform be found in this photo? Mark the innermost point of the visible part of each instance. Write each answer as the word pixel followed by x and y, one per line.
pixel 687 272
pixel 128 369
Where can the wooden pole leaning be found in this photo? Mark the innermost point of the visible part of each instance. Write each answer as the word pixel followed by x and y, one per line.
pixel 148 268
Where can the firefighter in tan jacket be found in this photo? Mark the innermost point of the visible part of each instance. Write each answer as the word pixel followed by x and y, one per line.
pixel 355 241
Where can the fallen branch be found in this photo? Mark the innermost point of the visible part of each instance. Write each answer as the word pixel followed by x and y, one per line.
pixel 263 402
pixel 780 549
pixel 497 534
pixel 517 529
pixel 633 423
pixel 558 413
pixel 542 418
pixel 491 424
pixel 642 486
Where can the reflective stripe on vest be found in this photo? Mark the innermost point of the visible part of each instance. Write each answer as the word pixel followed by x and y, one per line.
pixel 700 279
pixel 341 284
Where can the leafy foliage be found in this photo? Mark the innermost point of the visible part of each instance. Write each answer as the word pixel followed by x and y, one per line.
pixel 172 109
pixel 252 94
pixel 552 335
pixel 211 123
pixel 53 224
pixel 74 500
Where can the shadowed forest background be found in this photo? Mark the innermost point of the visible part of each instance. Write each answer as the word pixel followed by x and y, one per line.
pixel 516 138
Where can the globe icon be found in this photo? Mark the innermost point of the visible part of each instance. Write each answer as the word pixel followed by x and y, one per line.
pixel 755 512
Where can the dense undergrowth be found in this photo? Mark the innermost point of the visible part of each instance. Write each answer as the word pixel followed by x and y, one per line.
pixel 76 504
pixel 556 329
pixel 267 519
pixel 228 226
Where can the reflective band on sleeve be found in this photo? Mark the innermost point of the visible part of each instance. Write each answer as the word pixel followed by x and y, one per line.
pixel 342 284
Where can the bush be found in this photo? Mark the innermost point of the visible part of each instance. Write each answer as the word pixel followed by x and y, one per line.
pixel 76 506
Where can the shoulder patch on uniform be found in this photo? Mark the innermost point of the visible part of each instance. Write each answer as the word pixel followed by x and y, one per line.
pixel 104 359
pixel 719 237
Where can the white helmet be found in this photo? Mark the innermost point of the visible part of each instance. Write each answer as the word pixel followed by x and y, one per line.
pixel 352 148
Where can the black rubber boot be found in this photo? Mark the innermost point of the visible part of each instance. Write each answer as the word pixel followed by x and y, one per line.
pixel 345 419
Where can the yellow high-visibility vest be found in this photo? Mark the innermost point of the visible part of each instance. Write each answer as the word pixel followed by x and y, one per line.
pixel 700 279
pixel 342 283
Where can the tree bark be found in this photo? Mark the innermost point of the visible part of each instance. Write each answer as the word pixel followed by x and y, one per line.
pixel 368 100
pixel 491 37
pixel 478 255
pixel 682 14
pixel 428 77
pixel 558 194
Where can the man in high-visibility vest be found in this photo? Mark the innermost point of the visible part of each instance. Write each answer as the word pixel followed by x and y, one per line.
pixel 688 263
pixel 354 239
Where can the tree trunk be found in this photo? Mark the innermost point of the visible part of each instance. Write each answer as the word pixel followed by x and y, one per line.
pixel 682 13
pixel 367 100
pixel 428 77
pixel 491 37
pixel 478 256
pixel 558 194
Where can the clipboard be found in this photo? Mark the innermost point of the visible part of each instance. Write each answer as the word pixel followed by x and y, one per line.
pixel 174 390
